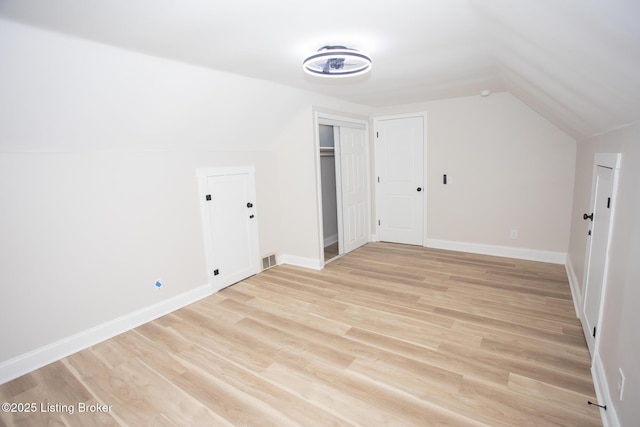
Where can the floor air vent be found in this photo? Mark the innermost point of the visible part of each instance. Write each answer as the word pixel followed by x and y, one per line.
pixel 268 262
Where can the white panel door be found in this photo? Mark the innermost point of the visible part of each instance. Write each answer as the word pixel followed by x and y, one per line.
pixel 231 227
pixel 600 224
pixel 400 180
pixel 352 150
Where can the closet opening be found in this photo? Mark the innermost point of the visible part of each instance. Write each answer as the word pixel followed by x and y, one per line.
pixel 343 186
pixel 329 186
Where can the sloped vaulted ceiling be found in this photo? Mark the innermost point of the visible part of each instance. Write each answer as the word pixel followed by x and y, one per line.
pixel 577 62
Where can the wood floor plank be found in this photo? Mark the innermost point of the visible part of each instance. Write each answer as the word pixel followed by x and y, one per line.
pixel 387 335
pixel 350 409
pixel 524 410
pixel 453 363
pixel 532 369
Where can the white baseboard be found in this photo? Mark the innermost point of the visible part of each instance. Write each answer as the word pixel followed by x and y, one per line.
pixel 299 261
pixel 574 285
pixel 330 240
pixel 502 251
pixel 23 364
pixel 609 416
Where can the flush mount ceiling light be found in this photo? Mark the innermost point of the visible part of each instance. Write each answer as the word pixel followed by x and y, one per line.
pixel 337 61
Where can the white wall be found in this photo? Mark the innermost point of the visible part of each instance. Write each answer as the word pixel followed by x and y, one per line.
pixel 98 155
pixel 300 235
pixel 86 235
pixel 619 336
pixel 507 167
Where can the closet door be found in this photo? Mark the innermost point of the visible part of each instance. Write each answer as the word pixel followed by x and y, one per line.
pixel 352 149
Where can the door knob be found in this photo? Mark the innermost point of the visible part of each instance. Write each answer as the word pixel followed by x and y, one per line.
pixel 586 217
pixel 419 189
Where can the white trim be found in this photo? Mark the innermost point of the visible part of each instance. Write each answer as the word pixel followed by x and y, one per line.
pixel 401 116
pixel 574 285
pixel 502 251
pixel 298 261
pixel 60 349
pixel 608 160
pixel 335 121
pixel 231 170
pixel 338 179
pixel 609 416
pixel 318 166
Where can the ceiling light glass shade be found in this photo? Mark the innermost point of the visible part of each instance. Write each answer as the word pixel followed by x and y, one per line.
pixel 337 61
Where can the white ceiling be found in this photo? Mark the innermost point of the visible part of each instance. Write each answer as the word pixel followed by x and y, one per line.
pixel 577 62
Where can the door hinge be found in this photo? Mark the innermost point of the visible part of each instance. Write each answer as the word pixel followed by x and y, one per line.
pixel 378 179
pixel 594 331
pixel 207 197
pixel 608 202
pixel 378 222
pixel 377 134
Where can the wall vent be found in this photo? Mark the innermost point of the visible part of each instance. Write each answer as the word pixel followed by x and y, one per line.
pixel 268 262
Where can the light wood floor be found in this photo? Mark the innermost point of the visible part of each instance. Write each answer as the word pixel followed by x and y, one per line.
pixel 387 335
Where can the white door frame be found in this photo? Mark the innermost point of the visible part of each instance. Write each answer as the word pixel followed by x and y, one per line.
pixel 611 161
pixel 376 122
pixel 203 174
pixel 329 119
